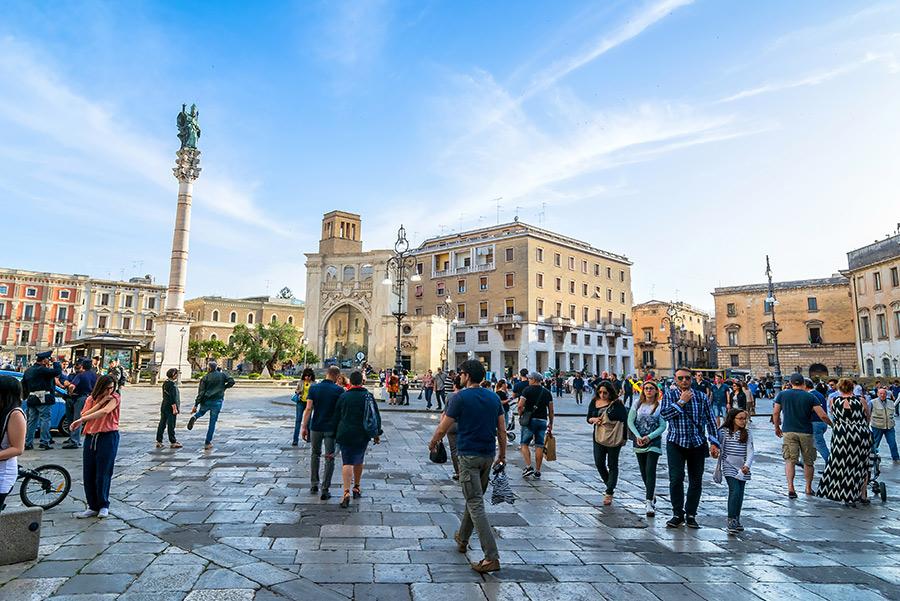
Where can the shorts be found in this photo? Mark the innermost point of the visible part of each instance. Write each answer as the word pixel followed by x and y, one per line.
pixel 353 455
pixel 793 444
pixel 536 430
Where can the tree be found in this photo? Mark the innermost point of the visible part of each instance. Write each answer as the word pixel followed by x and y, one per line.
pixel 267 344
pixel 200 351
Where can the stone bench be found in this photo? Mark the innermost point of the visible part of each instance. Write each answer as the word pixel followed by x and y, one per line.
pixel 21 530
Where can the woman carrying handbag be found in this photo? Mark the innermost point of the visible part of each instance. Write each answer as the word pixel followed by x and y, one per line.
pixel 608 415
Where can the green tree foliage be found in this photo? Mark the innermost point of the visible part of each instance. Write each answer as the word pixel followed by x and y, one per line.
pixel 270 345
pixel 200 351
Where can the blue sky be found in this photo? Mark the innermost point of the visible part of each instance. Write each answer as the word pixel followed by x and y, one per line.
pixel 694 137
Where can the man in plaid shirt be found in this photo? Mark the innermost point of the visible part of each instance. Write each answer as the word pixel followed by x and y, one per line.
pixel 692 430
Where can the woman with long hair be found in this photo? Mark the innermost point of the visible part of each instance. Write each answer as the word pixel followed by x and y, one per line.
pixel 100 417
pixel 846 475
pixel 735 461
pixel 737 398
pixel 351 434
pixel 604 410
pixel 12 433
pixel 307 379
pixel 647 426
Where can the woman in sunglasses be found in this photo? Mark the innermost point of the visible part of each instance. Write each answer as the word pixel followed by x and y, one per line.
pixel 647 426
pixel 608 416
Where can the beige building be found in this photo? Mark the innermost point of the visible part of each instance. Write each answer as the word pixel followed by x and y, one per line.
pixel 814 322
pixel 127 309
pixel 653 341
pixel 874 271
pixel 215 317
pixel 525 297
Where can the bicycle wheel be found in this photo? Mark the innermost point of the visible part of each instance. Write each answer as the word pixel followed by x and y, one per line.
pixel 45 486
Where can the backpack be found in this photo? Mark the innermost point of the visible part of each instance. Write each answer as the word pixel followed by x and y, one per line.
pixel 122 379
pixel 370 417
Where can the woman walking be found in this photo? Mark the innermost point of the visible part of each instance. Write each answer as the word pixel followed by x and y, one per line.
pixel 100 417
pixel 307 379
pixel 735 461
pixel 846 474
pixel 608 415
pixel 171 404
pixel 351 434
pixel 12 433
pixel 647 426
pixel 737 398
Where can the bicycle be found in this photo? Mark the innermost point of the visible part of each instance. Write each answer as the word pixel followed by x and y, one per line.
pixel 45 486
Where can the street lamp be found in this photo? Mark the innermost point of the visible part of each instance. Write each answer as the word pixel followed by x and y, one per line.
pixel 181 352
pixel 772 301
pixel 448 315
pixel 675 317
pixel 304 350
pixel 402 260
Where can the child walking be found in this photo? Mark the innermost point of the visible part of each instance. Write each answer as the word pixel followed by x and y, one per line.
pixel 735 462
pixel 171 403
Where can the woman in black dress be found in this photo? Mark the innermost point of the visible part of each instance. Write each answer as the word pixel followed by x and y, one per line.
pixel 737 398
pixel 846 474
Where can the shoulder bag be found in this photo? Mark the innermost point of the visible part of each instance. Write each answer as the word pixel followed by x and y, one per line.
pixel 609 433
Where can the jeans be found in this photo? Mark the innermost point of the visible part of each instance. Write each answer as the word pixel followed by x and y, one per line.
pixel 214 407
pixel 695 459
pixel 819 439
pixel 579 395
pixel 166 422
pixel 316 439
pixel 452 438
pixel 735 497
pixel 298 421
pixel 404 395
pixel 440 398
pixel 647 463
pixel 606 459
pixel 474 475
pixel 891 435
pixel 99 457
pixel 77 408
pixel 38 416
pixel 428 392
pixel 718 409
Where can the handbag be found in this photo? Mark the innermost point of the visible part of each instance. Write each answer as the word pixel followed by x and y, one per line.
pixel 717 474
pixel 550 447
pixel 439 454
pixel 295 398
pixel 609 433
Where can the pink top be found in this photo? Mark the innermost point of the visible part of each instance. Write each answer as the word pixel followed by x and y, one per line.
pixel 107 423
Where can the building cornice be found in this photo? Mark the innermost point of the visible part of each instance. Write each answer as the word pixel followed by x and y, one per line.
pixel 832 282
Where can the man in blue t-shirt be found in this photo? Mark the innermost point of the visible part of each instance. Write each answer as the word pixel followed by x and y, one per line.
pixel 318 428
pixel 718 396
pixel 478 414
pixel 818 425
pixel 797 406
pixel 79 387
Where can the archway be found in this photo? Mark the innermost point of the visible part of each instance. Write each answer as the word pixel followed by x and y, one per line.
pixel 818 370
pixel 346 332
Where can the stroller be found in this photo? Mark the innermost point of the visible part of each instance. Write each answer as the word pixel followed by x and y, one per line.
pixel 879 489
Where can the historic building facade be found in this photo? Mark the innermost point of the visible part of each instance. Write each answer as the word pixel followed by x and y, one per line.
pixel 874 273
pixel 522 296
pixel 814 324
pixel 127 309
pixel 215 317
pixel 653 341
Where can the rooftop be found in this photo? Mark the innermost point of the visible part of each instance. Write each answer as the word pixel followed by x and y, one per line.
pixel 792 285
pixel 653 302
pixel 878 251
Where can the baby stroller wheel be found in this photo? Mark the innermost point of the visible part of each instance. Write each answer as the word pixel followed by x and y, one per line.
pixel 882 491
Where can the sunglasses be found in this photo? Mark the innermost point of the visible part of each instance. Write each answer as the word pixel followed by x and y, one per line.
pixel 682 378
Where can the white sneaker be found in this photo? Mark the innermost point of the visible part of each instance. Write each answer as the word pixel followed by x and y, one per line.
pixel 87 513
pixel 651 508
pixel 103 513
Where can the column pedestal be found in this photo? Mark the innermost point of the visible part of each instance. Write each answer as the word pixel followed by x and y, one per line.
pixel 172 335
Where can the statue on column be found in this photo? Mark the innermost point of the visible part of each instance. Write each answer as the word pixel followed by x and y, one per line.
pixel 188 126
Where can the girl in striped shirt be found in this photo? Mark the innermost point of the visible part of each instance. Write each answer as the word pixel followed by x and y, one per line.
pixel 734 462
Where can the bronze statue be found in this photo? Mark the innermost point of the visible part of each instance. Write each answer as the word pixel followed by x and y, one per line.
pixel 188 126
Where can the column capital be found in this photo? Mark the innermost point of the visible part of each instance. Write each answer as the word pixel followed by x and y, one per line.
pixel 187 165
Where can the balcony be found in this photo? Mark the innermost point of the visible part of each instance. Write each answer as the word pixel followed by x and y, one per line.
pixel 562 324
pixel 508 320
pixel 452 271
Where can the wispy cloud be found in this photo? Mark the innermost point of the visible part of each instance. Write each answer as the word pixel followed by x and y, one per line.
pixel 355 31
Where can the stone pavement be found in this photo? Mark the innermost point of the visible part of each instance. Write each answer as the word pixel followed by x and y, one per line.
pixel 237 523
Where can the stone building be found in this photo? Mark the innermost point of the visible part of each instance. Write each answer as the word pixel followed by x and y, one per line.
pixel 527 297
pixel 874 271
pixel 814 322
pixel 653 342
pixel 127 309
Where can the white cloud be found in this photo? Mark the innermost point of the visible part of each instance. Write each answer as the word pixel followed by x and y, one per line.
pixel 355 31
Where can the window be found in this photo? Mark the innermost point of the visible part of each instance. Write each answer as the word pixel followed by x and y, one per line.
pixel 31 292
pixel 482 283
pixel 250 318
pixel 291 319
pixel 509 306
pixel 4 289
pixel 770 337
pixel 732 338
pixel 812 304
pixel 583 266
pixel 572 263
pixel 647 358
pixel 274 319
pixel 609 273
pixel 609 318
pixel 104 299
pixel 542 335
pixel 587 340
pixel 58 338
pixel 483 309
pixel 461 337
pixel 648 334
pixel 148 325
pixel 571 286
pixel 864 327
pixel 539 255
pixel 571 311
pixel 573 337
pixel 584 289
pixel 557 259
pixel 509 335
pixel 461 311
pixel 881 324
pixel 440 289
pixel 771 358
pixel 213 337
pixel 64 295
pixel 461 286
pixel 609 294
pixel 876 280
pixel 598 316
pixel 897 325
pixel 215 316
pixel 25 337
pixel 129 301
pixel 625 343
pixel 597 269
pixel 585 314
pixel 559 309
pixel 420 290
pixel 860 284
pixel 559 284
pixel 482 336
pixel 126 323
pixel 895 279
pixel 540 307
pixel 622 317
pixel 151 303
pixel 101 322
pixel 509 254
pixel 735 360
pixel 62 313
pixel 622 297
pixel 731 310
pixel 418 311
pixel 366 270
pixel 815 335
pixel 540 280
pixel 510 280
pixel 621 275
pixel 233 317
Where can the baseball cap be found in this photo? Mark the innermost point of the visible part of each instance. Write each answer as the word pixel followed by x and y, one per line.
pixel 797 379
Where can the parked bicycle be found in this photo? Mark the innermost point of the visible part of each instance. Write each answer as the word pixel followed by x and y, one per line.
pixel 45 486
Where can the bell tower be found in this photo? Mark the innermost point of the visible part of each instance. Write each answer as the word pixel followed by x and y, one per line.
pixel 340 234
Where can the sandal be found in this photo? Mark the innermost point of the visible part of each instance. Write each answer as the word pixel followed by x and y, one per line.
pixel 607 500
pixel 159 445
pixel 345 502
pixel 356 492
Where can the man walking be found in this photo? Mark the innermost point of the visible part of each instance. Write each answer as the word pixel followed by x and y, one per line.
pixel 818 425
pixel 39 390
pixel 882 422
pixel 440 379
pixel 480 429
pixel 536 405
pixel 690 439
pixel 578 387
pixel 719 398
pixel 319 425
pixel 797 407
pixel 80 387
pixel 210 396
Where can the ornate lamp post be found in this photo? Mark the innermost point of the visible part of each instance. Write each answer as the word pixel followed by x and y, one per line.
pixel 675 318
pixel 449 315
pixel 772 301
pixel 402 260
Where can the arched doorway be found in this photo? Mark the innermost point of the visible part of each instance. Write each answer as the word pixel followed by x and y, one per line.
pixel 886 367
pixel 870 368
pixel 818 370
pixel 346 333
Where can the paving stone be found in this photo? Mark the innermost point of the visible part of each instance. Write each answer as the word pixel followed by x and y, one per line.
pixel 673 592
pixel 442 592
pixel 55 569
pixel 302 589
pixel 221 595
pixel 338 556
pixel 30 589
pixel 222 578
pixel 356 556
pixel 570 591
pixel 721 590
pixel 504 591
pixel 630 591
pixel 112 563
pixel 224 555
pixel 409 573
pixel 595 573
pixel 91 597
pixel 845 592
pixel 149 596
pixel 164 578
pixel 264 573
pixel 324 572
pixel 76 552
pixel 96 583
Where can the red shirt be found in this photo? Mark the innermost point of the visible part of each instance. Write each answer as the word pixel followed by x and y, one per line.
pixel 107 423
